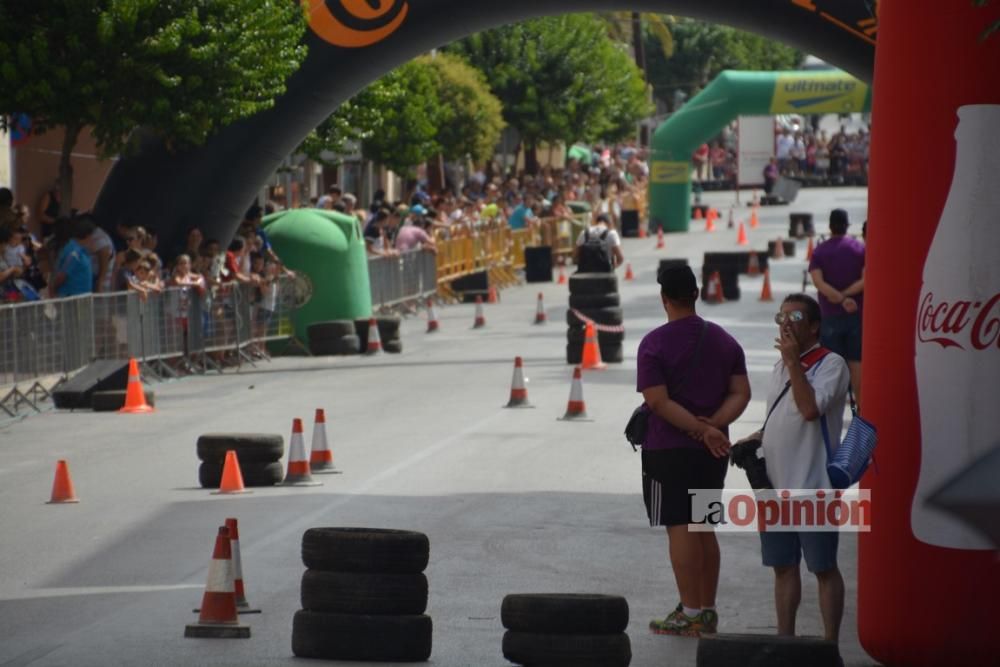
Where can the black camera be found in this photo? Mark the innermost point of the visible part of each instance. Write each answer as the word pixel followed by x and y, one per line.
pixel 746 456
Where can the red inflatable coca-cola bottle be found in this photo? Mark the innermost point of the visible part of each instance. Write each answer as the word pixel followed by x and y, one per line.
pixel 928 581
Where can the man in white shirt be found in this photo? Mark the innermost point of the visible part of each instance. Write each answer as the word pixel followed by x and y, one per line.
pixel 612 247
pixel 783 150
pixel 795 457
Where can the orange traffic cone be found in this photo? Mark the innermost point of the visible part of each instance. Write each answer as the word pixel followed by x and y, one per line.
pixel 710 220
pixel 135 398
pixel 659 238
pixel 765 292
pixel 374 340
pixel 232 476
pixel 491 295
pixel 480 320
pixel 575 408
pixel 713 291
pixel 591 350
pixel 242 605
pixel 320 454
pixel 642 231
pixel 732 222
pixel 697 214
pixel 753 264
pixel 62 486
pixel 628 272
pixel 754 221
pixel 741 237
pixel 298 473
pixel 809 250
pixel 518 390
pixel 540 311
pixel 562 277
pixel 779 249
pixel 432 320
pixel 217 617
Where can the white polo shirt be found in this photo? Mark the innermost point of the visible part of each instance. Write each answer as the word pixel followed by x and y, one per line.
pixel 793 447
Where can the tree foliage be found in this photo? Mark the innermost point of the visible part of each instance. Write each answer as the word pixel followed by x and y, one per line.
pixel 702 50
pixel 472 117
pixel 429 106
pixel 560 79
pixel 181 68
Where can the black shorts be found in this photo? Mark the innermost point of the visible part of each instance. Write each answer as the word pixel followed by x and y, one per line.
pixel 667 474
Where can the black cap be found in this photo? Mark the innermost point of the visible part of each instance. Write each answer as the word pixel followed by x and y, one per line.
pixel 677 282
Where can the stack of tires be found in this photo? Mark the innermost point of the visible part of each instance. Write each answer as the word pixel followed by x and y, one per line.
pixel 595 296
pixel 363 596
pixel 388 333
pixel 259 455
pixel 336 337
pixel 566 630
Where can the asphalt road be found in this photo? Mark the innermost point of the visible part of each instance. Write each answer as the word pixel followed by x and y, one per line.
pixel 512 500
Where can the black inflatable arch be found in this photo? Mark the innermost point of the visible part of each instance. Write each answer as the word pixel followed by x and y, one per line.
pixel 210 187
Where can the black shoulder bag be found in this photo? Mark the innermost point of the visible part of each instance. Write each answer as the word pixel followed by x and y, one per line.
pixel 638 424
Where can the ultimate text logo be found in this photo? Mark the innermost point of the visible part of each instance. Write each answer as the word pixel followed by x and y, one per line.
pixel 828 94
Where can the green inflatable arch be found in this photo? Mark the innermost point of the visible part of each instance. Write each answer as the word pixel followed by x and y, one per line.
pixel 734 94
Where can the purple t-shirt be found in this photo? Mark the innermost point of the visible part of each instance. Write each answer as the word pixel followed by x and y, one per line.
pixel 842 260
pixel 666 355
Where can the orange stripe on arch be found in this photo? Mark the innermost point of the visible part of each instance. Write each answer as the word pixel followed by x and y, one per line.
pixel 331 30
pixel 363 10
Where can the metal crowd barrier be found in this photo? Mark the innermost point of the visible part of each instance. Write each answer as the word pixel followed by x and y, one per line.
pixel 175 332
pixel 410 276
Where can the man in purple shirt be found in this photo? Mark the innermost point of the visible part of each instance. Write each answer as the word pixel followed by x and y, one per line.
pixel 838 272
pixel 693 377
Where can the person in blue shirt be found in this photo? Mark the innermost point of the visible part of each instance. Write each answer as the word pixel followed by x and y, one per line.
pixel 74 273
pixel 523 214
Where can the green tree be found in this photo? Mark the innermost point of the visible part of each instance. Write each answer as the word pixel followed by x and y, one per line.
pixel 358 119
pixel 180 68
pixel 560 79
pixel 407 131
pixel 472 117
pixel 702 50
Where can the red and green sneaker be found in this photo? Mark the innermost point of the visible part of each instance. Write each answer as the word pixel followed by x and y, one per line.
pixel 677 623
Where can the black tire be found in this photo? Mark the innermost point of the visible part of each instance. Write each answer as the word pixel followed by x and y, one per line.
pixel 393 346
pixel 574 353
pixel 565 613
pixel 745 650
pixel 356 593
pixel 249 447
pixel 582 301
pixel 114 400
pixel 388 327
pixel 254 474
pixel 529 648
pixel 360 637
pixel 332 330
pixel 343 346
pixel 609 315
pixel 371 550
pixel 613 353
pixel 593 283
pixel 576 335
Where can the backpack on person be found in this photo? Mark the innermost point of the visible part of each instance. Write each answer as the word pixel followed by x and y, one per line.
pixel 595 253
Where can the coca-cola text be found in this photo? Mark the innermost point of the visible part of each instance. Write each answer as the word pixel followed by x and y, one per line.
pixel 959 323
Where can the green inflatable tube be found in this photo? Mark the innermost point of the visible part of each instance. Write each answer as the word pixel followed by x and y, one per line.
pixel 327 247
pixel 732 94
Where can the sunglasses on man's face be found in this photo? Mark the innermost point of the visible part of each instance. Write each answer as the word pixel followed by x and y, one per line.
pixel 793 316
